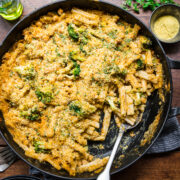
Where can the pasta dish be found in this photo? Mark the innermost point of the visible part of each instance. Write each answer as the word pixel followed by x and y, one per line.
pixel 67 70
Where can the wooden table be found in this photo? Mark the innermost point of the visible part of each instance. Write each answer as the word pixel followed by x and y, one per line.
pixel 164 166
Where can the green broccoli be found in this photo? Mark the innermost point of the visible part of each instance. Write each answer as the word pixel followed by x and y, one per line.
pixel 45 97
pixel 74 35
pixel 32 114
pixel 28 71
pixel 81 108
pixel 83 36
pixel 147 43
pixel 114 69
pixel 75 106
pixel 76 71
pixel 140 64
pixel 39 148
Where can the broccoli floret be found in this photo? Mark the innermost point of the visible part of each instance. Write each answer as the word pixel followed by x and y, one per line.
pixel 73 55
pixel 74 35
pixel 140 64
pixel 32 114
pixel 147 43
pixel 45 97
pixel 27 72
pixel 75 106
pixel 39 148
pixel 83 36
pixel 115 70
pixel 81 108
pixel 35 115
pixel 76 71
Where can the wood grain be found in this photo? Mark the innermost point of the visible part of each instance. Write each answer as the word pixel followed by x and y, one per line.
pixel 164 166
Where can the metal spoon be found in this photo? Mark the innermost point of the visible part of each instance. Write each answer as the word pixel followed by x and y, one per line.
pixel 105 175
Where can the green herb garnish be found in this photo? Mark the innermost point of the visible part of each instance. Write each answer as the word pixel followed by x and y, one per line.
pixel 144 4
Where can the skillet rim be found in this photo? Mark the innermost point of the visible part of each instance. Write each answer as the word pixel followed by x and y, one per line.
pixel 170 91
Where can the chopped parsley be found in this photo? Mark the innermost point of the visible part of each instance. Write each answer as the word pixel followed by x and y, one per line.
pixel 145 4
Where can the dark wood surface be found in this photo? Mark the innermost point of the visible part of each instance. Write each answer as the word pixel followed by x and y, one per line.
pixel 164 166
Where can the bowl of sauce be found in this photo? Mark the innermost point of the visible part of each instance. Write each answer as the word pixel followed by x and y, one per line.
pixel 165 23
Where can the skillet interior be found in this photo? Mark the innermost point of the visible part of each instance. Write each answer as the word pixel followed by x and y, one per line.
pixel 134 150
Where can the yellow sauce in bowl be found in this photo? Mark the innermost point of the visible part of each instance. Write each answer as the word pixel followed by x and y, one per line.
pixel 166 27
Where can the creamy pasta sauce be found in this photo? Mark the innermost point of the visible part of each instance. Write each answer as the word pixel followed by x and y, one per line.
pixel 68 69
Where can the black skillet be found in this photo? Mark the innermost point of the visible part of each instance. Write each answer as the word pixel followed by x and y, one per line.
pixel 21 178
pixel 133 151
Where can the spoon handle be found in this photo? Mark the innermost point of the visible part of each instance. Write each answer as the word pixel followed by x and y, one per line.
pixel 105 175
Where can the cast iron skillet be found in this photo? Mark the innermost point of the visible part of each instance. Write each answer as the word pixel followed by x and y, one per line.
pixel 21 178
pixel 133 151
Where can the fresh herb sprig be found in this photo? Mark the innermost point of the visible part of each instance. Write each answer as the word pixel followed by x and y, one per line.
pixel 136 5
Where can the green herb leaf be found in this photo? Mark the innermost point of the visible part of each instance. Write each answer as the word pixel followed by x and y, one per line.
pixel 145 4
pixel 135 7
pixel 129 2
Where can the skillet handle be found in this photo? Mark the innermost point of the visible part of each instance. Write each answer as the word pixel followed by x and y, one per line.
pixel 173 63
